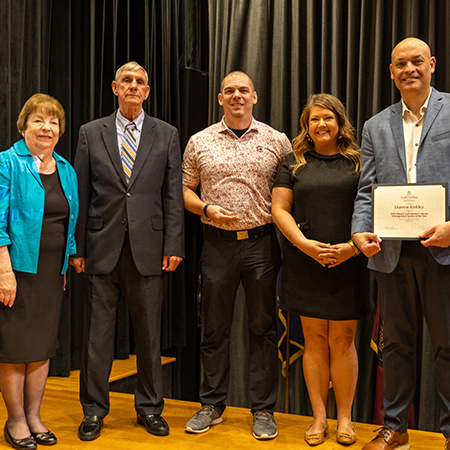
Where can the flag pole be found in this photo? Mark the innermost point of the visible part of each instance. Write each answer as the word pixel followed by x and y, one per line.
pixel 288 345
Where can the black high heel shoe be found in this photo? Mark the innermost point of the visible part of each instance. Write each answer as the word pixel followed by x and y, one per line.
pixel 26 443
pixel 47 438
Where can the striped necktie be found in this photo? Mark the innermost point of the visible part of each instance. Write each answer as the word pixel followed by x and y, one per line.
pixel 128 150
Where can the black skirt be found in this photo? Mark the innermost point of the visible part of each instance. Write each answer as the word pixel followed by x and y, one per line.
pixel 311 290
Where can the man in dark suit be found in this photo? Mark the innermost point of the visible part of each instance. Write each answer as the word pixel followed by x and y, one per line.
pixel 130 233
pixel 408 142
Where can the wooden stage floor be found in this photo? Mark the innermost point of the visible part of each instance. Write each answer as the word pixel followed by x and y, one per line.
pixel 61 412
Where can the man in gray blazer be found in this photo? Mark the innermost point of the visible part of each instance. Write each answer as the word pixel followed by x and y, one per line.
pixel 408 142
pixel 130 233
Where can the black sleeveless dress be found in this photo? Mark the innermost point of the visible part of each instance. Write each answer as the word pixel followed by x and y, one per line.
pixel 324 191
pixel 29 330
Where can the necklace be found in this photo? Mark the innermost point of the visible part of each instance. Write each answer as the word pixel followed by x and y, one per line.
pixel 40 166
pixel 45 171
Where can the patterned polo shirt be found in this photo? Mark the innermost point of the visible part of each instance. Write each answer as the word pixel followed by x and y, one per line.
pixel 236 173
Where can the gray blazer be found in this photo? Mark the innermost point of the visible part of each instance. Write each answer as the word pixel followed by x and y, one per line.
pixel 383 160
pixel 150 207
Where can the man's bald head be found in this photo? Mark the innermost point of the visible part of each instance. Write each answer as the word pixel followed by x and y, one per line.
pixel 411 42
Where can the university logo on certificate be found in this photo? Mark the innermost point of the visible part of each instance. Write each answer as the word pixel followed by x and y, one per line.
pixel 405 211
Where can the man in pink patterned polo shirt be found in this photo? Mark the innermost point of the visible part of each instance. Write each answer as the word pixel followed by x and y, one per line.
pixel 235 162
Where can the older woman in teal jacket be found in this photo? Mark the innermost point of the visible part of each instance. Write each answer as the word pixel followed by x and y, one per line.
pixel 38 213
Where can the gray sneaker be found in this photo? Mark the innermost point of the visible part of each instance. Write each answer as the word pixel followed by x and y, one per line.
pixel 203 419
pixel 264 426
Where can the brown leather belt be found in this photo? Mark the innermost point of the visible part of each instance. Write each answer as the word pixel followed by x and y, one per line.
pixel 240 235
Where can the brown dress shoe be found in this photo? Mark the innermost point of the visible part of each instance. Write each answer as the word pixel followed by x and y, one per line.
pixel 388 439
pixel 447 444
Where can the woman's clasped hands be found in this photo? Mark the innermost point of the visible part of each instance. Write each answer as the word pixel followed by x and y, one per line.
pixel 328 255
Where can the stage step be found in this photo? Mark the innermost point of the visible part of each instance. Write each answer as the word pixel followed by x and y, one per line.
pixel 121 369
pixel 124 368
pixel 124 375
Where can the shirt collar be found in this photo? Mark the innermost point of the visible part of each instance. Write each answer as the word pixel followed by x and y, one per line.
pixel 123 121
pixel 224 127
pixel 422 110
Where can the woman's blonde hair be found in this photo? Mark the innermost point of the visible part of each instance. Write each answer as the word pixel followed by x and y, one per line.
pixel 47 104
pixel 346 145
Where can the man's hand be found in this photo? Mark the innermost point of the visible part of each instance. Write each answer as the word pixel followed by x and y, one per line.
pixel 437 236
pixel 78 262
pixel 221 215
pixel 368 243
pixel 170 263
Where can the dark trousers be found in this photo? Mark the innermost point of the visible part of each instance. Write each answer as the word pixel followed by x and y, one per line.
pixel 226 262
pixel 418 287
pixel 144 296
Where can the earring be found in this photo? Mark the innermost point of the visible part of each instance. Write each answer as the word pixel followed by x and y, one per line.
pixel 308 137
pixel 339 137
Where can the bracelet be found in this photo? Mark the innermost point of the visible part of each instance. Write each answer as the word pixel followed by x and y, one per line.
pixel 354 247
pixel 206 209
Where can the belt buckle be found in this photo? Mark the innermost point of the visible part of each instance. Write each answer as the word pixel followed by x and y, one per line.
pixel 240 235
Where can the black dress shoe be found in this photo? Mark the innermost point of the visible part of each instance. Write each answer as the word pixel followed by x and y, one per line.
pixel 25 443
pixel 90 428
pixel 154 424
pixel 47 438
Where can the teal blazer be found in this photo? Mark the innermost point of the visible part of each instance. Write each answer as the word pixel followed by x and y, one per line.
pixel 22 198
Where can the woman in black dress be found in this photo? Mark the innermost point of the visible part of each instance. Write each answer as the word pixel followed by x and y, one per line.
pixel 323 274
pixel 38 212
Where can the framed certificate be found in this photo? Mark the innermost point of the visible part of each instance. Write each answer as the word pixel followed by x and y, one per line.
pixel 404 211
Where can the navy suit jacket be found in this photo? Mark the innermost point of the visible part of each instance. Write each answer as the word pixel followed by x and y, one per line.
pixel 150 207
pixel 383 160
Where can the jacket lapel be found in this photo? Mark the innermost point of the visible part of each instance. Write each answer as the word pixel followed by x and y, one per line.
pixel 434 106
pixel 22 150
pixel 109 136
pixel 397 131
pixel 33 169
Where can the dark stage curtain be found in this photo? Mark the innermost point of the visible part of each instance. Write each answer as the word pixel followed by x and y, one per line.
pixel 291 48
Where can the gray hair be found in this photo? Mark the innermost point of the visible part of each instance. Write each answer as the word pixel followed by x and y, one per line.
pixel 132 66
